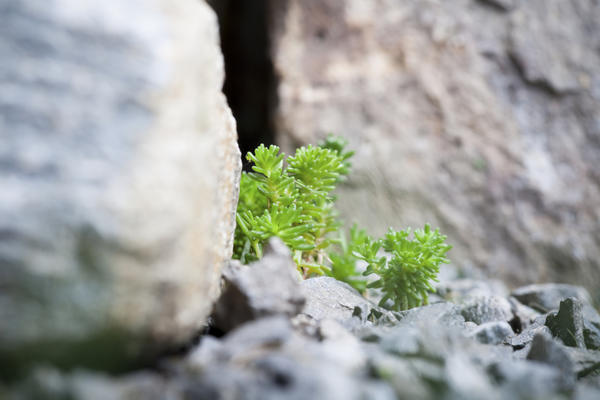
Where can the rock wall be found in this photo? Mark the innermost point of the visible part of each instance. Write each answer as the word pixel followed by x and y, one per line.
pixel 482 117
pixel 119 174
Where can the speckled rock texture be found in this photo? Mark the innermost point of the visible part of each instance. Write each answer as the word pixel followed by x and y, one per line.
pixel 119 174
pixel 331 351
pixel 481 117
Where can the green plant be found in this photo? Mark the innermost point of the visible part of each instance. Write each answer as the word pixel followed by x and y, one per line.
pixel 343 262
pixel 295 203
pixel 405 275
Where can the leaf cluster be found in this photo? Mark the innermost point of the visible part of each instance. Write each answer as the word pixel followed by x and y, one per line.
pixel 343 262
pixel 406 273
pixel 293 202
pixel 292 199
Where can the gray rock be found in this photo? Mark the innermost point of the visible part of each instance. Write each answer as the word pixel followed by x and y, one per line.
pixel 411 378
pixel 524 316
pixel 119 171
pixel 423 359
pixel 339 345
pixel 427 354
pixel 256 337
pixel 277 376
pixel 545 350
pixel 436 338
pixel 266 287
pixel 328 298
pixel 410 356
pixel 591 335
pixel 495 332
pixel 460 290
pixel 267 359
pixel 584 392
pixel 526 336
pixel 586 363
pixel 404 341
pixel 508 102
pixel 445 314
pixel 547 296
pixel 567 324
pixel 467 380
pixel 334 345
pixel 406 336
pixel 558 64
pixel 49 383
pixel 266 332
pixel 505 5
pixel 527 380
pixel 487 309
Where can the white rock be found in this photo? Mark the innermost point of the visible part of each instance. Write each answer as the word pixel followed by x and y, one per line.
pixel 119 175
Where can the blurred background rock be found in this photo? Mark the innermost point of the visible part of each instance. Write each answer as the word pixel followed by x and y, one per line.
pixel 481 117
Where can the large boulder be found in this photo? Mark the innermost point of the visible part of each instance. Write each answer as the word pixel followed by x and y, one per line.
pixel 481 117
pixel 119 175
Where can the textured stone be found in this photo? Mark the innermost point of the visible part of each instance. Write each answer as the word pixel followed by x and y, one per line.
pixel 418 356
pixel 430 353
pixel 458 290
pixel 48 383
pixel 259 335
pixel 466 379
pixel 524 316
pixel 527 380
pixel 481 122
pixel 410 377
pixel 487 309
pixel 561 63
pixel 266 359
pixel 505 5
pixel 495 332
pixel 586 363
pixel 266 287
pixel 587 393
pixel 545 350
pixel 591 334
pixel 524 338
pixel 567 324
pixel 547 297
pixel 446 314
pixel 405 341
pixel 332 299
pixel 119 169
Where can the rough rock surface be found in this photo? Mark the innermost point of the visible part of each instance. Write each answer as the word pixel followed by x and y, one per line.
pixel 567 323
pixel 591 334
pixel 548 296
pixel 458 289
pixel 527 380
pixel 487 309
pixel 427 352
pixel 118 169
pixel 494 332
pixel 480 117
pixel 269 286
pixel 546 350
pixel 329 298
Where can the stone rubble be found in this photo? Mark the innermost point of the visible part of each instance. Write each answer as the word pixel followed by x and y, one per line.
pixel 269 286
pixel 320 339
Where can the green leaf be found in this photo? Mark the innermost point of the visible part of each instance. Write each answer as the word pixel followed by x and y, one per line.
pixel 266 160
